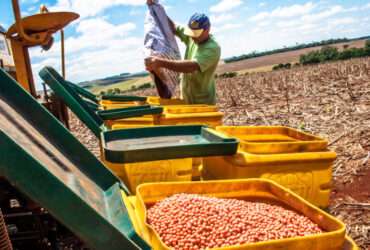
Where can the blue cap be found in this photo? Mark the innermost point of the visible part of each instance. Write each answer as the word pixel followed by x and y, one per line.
pixel 197 24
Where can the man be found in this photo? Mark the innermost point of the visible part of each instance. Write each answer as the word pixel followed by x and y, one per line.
pixel 201 59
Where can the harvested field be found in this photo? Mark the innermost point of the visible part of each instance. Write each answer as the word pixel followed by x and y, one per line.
pixel 286 57
pixel 331 100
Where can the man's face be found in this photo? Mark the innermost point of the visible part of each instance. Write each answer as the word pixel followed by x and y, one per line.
pixel 202 38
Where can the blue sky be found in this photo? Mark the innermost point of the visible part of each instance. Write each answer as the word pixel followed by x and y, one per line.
pixel 108 37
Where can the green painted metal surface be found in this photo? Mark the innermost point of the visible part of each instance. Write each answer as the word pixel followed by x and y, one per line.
pixel 119 98
pixel 72 100
pixel 117 114
pixel 92 105
pixel 44 161
pixel 164 142
pixel 83 110
pixel 123 98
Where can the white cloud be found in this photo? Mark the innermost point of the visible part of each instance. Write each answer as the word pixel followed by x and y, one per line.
pixel 25 13
pixel 135 12
pixel 98 49
pixel 226 5
pixel 323 14
pixel 92 7
pixel 29 1
pixel 288 23
pixel 342 21
pixel 263 23
pixel 263 4
pixel 367 6
pixel 226 27
pixel 285 12
pixel 93 33
pixel 216 19
pixel 32 9
pixel 260 16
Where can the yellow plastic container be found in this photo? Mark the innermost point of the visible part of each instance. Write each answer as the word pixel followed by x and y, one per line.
pixel 191 115
pixel 175 115
pixel 140 228
pixel 273 139
pixel 350 244
pixel 155 100
pixel 189 109
pixel 134 174
pixel 136 122
pixel 107 105
pixel 307 174
pixel 253 189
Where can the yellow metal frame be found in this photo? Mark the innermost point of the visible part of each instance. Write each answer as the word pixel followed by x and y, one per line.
pixel 33 31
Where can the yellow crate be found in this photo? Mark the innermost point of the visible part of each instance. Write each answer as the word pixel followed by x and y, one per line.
pixel 197 168
pixel 273 139
pixel 191 115
pixel 155 100
pixel 256 189
pixel 307 174
pixel 135 122
pixel 211 119
pixel 174 115
pixel 350 244
pixel 141 230
pixel 108 105
pixel 134 174
pixel 186 109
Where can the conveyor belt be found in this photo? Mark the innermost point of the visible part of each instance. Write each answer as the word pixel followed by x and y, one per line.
pixel 31 139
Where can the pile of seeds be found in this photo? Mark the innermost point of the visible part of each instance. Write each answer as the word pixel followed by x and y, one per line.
pixel 188 221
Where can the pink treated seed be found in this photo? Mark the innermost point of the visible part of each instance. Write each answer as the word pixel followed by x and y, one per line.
pixel 188 221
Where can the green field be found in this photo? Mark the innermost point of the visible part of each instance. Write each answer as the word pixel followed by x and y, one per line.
pixel 123 86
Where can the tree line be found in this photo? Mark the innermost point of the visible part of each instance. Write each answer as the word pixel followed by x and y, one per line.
pixel 328 53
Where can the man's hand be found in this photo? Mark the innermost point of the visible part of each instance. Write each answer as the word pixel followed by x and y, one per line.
pixel 152 63
pixel 149 2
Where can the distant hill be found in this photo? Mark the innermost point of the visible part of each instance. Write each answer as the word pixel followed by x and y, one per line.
pixel 256 54
pixel 265 63
pixel 113 79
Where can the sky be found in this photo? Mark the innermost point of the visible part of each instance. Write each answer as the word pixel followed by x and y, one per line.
pixel 107 39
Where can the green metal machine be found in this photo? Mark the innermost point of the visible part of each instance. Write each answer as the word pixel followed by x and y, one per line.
pixel 44 161
pixel 140 144
pixel 90 96
pixel 85 110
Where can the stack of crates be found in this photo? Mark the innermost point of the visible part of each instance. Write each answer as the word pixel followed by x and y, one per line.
pixel 175 112
pixel 151 100
pixel 294 159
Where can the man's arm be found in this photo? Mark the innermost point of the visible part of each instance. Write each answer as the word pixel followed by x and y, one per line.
pixel 185 66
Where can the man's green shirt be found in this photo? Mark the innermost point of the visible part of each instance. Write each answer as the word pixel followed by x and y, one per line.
pixel 199 87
